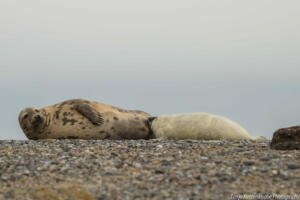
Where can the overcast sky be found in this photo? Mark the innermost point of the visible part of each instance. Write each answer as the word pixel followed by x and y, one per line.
pixel 239 59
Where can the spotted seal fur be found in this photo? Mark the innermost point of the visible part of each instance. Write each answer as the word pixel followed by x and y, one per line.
pixel 83 119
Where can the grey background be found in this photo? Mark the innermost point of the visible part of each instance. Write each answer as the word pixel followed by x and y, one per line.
pixel 239 59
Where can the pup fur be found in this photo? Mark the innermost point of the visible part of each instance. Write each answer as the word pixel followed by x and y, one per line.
pixel 199 126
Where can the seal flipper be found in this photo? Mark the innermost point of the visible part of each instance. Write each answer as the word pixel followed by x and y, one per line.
pixel 89 112
pixel 150 120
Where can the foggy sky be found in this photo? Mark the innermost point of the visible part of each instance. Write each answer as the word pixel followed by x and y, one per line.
pixel 239 59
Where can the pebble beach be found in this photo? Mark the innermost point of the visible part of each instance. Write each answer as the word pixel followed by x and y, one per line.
pixel 146 169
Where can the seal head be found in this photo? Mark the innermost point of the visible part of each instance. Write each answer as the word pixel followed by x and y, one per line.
pixel 33 121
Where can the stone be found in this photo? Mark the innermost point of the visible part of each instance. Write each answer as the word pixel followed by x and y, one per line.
pixel 274 172
pixel 284 175
pixel 286 139
pixel 249 162
pixel 293 165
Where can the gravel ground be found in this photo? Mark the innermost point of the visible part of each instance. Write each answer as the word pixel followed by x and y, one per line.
pixel 145 169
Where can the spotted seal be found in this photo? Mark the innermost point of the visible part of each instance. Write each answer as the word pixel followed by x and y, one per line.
pixel 83 119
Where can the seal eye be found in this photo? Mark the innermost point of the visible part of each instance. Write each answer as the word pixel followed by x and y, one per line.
pixel 36 110
pixel 25 116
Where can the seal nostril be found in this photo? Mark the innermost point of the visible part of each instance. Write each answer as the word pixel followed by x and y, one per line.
pixel 37 120
pixel 36 110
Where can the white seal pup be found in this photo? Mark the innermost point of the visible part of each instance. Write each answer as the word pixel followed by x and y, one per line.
pixel 198 126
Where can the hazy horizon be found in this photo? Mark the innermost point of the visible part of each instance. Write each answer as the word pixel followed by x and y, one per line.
pixel 235 59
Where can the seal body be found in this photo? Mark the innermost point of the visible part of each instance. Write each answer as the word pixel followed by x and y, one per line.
pixel 82 119
pixel 199 126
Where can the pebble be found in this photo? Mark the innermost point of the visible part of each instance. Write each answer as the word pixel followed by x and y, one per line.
pixel 145 169
pixel 274 172
pixel 293 165
pixel 249 162
pixel 265 158
pixel 204 158
pixel 284 175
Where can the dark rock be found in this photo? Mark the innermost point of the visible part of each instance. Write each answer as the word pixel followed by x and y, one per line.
pixel 293 165
pixel 158 171
pixel 265 158
pixel 249 162
pixel 286 139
